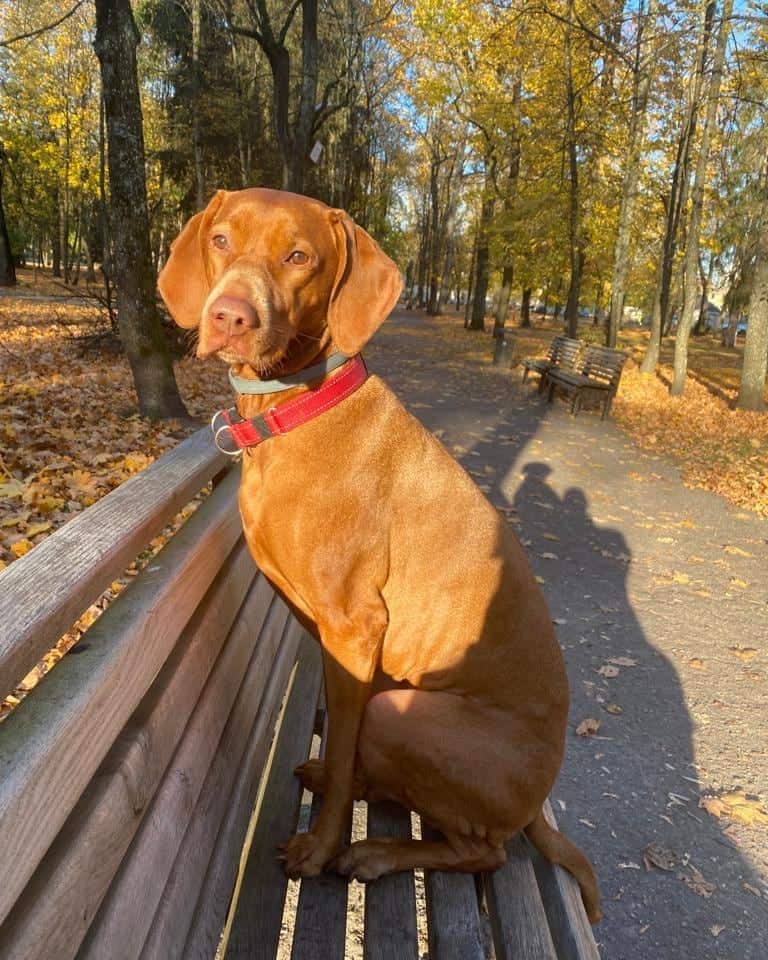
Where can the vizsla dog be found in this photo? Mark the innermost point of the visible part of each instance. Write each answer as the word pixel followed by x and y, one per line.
pixel 445 685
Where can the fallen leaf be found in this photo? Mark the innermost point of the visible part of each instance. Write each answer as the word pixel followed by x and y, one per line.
pixel 695 880
pixel 587 727
pixel 35 528
pixel 613 708
pixel 551 536
pixel 659 856
pixel 548 556
pixel 21 547
pixel 743 809
pixel 623 661
pixel 712 805
pixel 716 929
pixel 588 823
pixel 744 653
pixel 736 551
pixel 608 672
pixel 12 488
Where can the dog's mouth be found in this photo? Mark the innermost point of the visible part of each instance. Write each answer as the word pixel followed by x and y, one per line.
pixel 263 364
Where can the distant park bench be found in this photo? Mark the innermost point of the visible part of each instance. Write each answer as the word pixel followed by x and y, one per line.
pixel 597 373
pixel 563 353
pixel 147 780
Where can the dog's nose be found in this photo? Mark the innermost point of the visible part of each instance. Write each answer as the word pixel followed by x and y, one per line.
pixel 232 316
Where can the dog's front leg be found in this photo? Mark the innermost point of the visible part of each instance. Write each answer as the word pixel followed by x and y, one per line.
pixel 349 664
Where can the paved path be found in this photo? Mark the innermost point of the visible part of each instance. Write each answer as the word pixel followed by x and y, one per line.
pixel 672 583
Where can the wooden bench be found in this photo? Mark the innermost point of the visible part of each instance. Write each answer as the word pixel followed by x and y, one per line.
pixel 563 353
pixel 597 374
pixel 147 779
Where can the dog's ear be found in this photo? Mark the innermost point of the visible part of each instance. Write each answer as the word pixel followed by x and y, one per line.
pixel 365 289
pixel 183 281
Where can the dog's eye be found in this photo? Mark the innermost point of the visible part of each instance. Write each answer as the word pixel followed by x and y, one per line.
pixel 298 257
pixel 220 241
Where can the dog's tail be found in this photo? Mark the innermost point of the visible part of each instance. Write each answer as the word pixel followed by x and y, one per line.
pixel 557 848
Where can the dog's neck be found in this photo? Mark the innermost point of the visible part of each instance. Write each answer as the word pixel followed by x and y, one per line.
pixel 251 405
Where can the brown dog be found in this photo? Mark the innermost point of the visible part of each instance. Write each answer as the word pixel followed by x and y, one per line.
pixel 445 685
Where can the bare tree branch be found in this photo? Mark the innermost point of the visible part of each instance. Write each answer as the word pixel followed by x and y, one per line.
pixel 49 26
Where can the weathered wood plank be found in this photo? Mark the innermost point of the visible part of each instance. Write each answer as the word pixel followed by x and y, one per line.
pixel 255 929
pixel 518 920
pixel 209 912
pixel 48 921
pixel 80 559
pixel 571 931
pixel 320 927
pixel 230 700
pixel 53 743
pixel 177 905
pixel 453 917
pixel 390 902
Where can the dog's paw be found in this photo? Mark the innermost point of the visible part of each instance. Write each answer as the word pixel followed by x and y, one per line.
pixel 312 775
pixel 304 855
pixel 366 860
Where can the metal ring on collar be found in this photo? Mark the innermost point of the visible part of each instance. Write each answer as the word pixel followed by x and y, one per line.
pixel 228 435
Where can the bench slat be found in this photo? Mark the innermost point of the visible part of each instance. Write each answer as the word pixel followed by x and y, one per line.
pixel 518 920
pixel 126 914
pixel 453 916
pixel 186 876
pixel 390 901
pixel 53 743
pixel 320 927
pixel 255 929
pixel 205 919
pixel 571 931
pixel 48 921
pixel 79 560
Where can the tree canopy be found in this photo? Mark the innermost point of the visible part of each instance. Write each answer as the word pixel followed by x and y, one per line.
pixel 604 158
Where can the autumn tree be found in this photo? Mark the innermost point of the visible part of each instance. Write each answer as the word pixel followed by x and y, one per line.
pixel 138 318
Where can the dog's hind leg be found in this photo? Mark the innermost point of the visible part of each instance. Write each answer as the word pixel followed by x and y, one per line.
pixel 372 858
pixel 557 848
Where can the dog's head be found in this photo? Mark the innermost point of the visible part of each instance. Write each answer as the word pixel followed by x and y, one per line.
pixel 264 274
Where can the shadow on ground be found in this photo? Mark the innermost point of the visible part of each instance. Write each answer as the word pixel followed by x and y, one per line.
pixel 655 638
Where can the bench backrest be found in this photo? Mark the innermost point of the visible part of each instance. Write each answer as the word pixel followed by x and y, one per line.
pixel 603 364
pixel 128 774
pixel 567 352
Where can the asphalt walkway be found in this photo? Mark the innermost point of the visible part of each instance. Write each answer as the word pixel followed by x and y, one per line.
pixel 660 596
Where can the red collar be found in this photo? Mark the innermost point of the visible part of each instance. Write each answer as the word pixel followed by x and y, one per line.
pixel 232 433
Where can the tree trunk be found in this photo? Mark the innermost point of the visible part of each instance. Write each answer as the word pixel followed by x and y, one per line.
pixel 196 85
pixel 508 272
pixel 642 85
pixel 433 307
pixel 691 260
pixel 7 268
pixel 502 303
pixel 482 260
pixel 56 239
pixel 755 364
pixel 525 308
pixel 470 284
pixel 139 322
pixel 575 227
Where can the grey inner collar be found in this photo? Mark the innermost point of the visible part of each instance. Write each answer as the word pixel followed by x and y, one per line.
pixel 252 387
